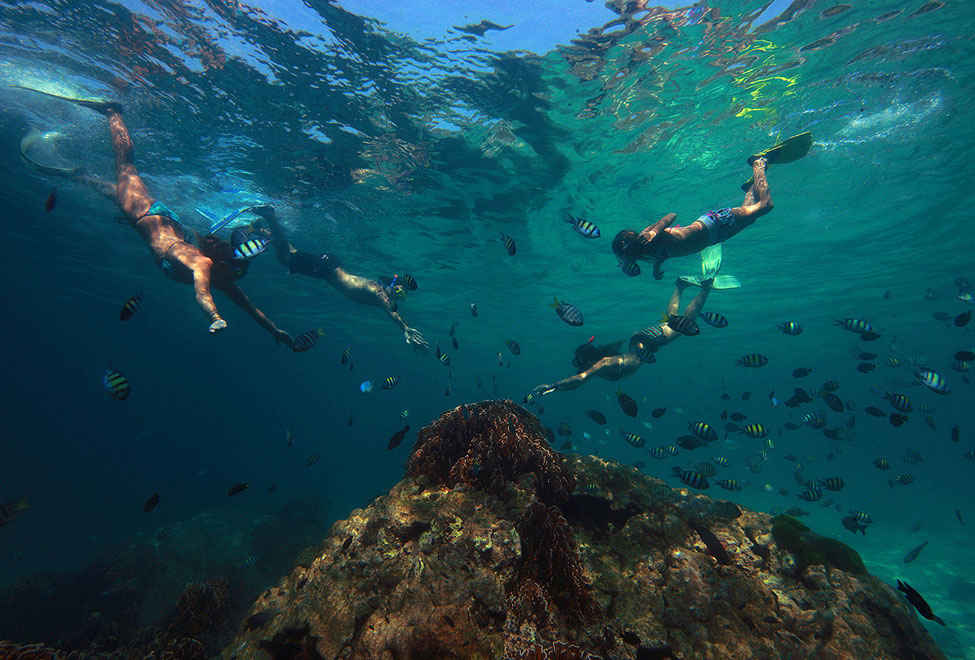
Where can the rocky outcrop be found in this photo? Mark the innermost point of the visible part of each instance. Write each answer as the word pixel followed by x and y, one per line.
pixel 622 568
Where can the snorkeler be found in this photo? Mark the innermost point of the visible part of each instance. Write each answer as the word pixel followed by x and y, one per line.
pixel 661 240
pixel 605 362
pixel 210 264
pixel 328 267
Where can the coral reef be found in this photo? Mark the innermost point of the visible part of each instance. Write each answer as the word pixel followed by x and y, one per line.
pixel 158 598
pixel 809 548
pixel 488 445
pixel 446 566
pixel 550 570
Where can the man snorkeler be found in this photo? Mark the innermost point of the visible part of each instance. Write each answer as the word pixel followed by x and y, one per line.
pixel 642 346
pixel 327 267
pixel 172 245
pixel 661 240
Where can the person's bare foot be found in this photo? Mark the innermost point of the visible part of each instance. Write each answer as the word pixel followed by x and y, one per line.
pixel 218 325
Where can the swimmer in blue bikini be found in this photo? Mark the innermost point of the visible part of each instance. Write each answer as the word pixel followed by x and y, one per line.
pixel 173 248
pixel 660 241
pixel 328 267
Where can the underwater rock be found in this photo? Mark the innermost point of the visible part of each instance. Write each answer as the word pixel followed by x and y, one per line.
pixel 442 568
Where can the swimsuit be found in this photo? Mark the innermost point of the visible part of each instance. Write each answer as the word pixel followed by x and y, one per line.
pixel 720 225
pixel 171 268
pixel 313 265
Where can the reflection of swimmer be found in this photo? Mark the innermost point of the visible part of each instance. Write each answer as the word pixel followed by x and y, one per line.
pixel 207 263
pixel 328 267
pixel 606 362
pixel 660 241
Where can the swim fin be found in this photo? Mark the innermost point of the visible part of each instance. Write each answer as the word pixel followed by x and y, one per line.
pixel 788 150
pixel 25 144
pixel 101 106
pixel 710 265
pixel 710 261
pixel 720 282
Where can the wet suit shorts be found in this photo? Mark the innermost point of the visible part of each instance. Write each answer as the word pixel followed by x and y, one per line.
pixel 719 224
pixel 313 265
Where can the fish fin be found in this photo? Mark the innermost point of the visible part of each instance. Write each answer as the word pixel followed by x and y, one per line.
pixel 556 303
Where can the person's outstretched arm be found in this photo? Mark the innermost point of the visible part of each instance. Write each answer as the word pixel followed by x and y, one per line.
pixel 610 368
pixel 237 294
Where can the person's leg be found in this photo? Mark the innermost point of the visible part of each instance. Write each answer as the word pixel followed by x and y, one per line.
pixel 200 266
pixel 758 199
pixel 695 306
pixel 132 194
pixel 674 305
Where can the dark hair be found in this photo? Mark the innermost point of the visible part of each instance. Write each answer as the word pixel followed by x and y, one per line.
pixel 588 355
pixel 222 254
pixel 626 245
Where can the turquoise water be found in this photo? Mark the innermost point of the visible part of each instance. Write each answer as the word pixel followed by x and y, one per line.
pixel 404 153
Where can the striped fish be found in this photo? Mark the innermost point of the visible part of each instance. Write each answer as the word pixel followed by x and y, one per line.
pixel 881 464
pixel 509 244
pixel 815 420
pixel 706 469
pixel 729 484
pixel 754 430
pixel 811 495
pixel 627 404
pixel 703 431
pixel 251 248
pixel 831 483
pixel 831 386
pixel 347 354
pixel 116 384
pixel 584 227
pixel 901 480
pixel 311 460
pixel 682 324
pixel 833 401
pixel 568 313
pixel 691 478
pixel 720 460
pixel 632 438
pixel 752 360
pixel 658 452
pixel 934 381
pixel 630 268
pixel 443 357
pixel 390 382
pixel 894 362
pixel 130 307
pixel 855 325
pixel 791 328
pixel 861 516
pixel 307 340
pixel 900 402
pixel 513 346
pixel 714 319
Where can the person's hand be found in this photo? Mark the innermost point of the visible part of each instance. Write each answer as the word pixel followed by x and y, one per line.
pixel 282 337
pixel 217 325
pixel 658 271
pixel 265 210
pixel 541 390
pixel 415 339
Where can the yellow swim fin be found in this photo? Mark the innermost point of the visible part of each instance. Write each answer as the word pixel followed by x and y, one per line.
pixel 788 150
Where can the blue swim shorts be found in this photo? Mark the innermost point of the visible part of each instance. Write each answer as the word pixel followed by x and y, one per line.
pixel 719 224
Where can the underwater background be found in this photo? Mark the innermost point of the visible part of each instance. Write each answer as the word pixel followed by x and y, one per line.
pixel 410 148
